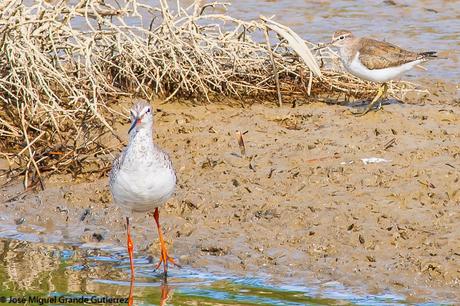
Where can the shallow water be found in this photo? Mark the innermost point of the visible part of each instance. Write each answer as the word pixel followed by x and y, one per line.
pixel 29 270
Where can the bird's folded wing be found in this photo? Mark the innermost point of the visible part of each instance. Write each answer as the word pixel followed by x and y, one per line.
pixel 376 54
pixel 116 165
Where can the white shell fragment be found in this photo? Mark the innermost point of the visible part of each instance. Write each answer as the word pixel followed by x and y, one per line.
pixel 374 160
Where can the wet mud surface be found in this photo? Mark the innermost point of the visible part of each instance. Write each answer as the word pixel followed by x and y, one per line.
pixel 300 205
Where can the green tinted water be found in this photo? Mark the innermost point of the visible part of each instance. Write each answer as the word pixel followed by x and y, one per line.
pixel 63 274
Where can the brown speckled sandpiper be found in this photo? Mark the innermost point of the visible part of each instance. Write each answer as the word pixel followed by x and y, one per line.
pixel 374 60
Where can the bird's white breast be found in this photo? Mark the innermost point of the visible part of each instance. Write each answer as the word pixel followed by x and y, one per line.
pixel 356 68
pixel 143 188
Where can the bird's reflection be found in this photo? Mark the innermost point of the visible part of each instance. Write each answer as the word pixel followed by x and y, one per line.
pixel 165 292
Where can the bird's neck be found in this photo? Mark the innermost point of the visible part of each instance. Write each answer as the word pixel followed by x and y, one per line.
pixel 142 134
pixel 348 51
pixel 141 140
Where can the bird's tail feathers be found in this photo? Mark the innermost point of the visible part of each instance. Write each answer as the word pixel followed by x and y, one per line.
pixel 428 55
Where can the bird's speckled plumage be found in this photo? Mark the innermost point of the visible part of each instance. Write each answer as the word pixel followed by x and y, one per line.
pixel 375 60
pixel 142 176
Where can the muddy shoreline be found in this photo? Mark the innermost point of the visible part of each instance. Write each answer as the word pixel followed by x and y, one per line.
pixel 301 206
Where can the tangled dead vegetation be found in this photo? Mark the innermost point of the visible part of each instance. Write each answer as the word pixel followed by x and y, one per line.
pixel 62 67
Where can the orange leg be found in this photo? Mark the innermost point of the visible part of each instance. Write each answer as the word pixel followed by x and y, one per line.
pixel 130 249
pixel 164 258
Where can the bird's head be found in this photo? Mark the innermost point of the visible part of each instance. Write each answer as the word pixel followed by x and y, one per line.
pixel 141 116
pixel 341 38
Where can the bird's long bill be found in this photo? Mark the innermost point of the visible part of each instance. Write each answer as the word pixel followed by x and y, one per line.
pixel 323 46
pixel 135 121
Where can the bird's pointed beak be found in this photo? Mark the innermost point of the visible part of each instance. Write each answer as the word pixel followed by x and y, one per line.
pixel 324 46
pixel 136 121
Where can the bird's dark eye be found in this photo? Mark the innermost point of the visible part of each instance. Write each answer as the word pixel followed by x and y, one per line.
pixel 148 110
pixel 342 37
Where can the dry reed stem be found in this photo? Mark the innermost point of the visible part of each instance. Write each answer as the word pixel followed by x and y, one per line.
pixel 62 65
pixel 275 70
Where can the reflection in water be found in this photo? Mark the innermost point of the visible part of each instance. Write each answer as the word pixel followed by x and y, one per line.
pixel 27 267
pixel 131 292
pixel 165 290
pixel 164 297
pixel 53 271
